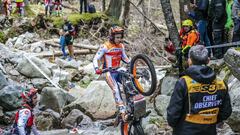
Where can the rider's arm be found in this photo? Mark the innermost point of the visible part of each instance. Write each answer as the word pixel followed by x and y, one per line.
pixel 34 130
pixel 175 108
pixel 99 56
pixel 24 115
pixel 125 59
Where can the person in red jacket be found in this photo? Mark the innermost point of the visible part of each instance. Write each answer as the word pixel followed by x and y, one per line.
pixel 24 118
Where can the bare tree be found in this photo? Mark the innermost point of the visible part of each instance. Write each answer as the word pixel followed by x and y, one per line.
pixel 170 22
pixel 125 13
pixel 115 8
pixel 103 5
pixel 183 15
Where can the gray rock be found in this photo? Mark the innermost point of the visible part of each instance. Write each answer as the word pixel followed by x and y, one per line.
pixel 40 83
pixel 98 102
pixel 27 69
pixel 3 81
pixel 234 88
pixel 14 72
pixel 73 119
pixel 160 105
pixel 10 98
pixel 19 41
pixel 232 59
pixel 37 47
pixel 60 76
pixel 68 64
pixel 55 99
pixel 1 112
pixel 168 84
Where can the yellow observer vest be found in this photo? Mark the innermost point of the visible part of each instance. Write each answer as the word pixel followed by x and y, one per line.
pixel 204 100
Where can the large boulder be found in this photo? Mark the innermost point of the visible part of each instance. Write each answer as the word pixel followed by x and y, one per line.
pixel 27 69
pixel 98 101
pixel 47 120
pixel 3 81
pixel 68 64
pixel 73 119
pixel 234 88
pixel 55 98
pixel 160 105
pixel 40 83
pixel 10 98
pixel 232 58
pixel 168 84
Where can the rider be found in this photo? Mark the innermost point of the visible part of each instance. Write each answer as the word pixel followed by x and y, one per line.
pixel 111 53
pixel 24 118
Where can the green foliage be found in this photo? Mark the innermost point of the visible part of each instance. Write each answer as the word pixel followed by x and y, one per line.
pixel 157 121
pixel 2 37
pixel 238 48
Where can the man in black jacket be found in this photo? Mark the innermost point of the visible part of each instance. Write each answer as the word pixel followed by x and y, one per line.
pixel 199 100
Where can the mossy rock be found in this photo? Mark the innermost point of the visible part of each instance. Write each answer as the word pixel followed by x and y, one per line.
pixel 2 37
pixel 238 48
pixel 77 18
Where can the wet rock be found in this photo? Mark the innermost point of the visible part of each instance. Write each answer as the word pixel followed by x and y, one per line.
pixel 234 88
pixel 55 98
pixel 232 59
pixel 98 102
pixel 73 119
pixel 10 98
pixel 68 64
pixel 3 81
pixel 40 83
pixel 27 69
pixel 168 84
pixel 14 72
pixel 160 105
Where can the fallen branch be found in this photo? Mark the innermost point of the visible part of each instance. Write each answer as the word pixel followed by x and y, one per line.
pixel 55 43
pixel 74 9
pixel 159 54
pixel 59 53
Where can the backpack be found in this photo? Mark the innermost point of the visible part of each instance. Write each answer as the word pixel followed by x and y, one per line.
pixel 91 8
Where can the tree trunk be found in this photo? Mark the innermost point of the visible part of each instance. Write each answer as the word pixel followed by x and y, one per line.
pixel 103 5
pixel 144 12
pixel 115 8
pixel 170 22
pixel 183 15
pixel 125 13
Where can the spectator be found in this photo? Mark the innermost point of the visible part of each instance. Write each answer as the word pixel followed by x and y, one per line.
pixel 58 7
pixel 199 100
pixel 200 15
pixel 7 4
pixel 68 33
pixel 218 16
pixel 236 19
pixel 48 7
pixel 85 6
pixel 229 24
pixel 20 7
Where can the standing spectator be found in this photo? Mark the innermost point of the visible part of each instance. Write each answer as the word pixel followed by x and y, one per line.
pixel 236 19
pixel 229 24
pixel 58 7
pixel 48 7
pixel 199 100
pixel 69 32
pixel 20 7
pixel 219 16
pixel 81 6
pixel 7 4
pixel 200 15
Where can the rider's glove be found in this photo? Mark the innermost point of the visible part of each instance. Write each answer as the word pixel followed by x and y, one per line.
pixel 98 71
pixel 185 49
